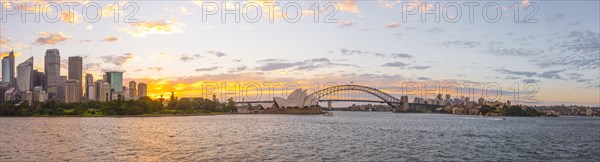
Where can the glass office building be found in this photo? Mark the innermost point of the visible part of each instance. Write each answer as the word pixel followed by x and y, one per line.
pixel 115 79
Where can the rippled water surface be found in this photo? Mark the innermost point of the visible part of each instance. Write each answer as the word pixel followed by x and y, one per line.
pixel 348 136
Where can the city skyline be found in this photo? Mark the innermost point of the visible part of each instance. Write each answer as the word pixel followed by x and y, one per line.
pixel 33 85
pixel 176 51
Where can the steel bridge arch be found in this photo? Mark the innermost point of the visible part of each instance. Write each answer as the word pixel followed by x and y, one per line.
pixel 387 98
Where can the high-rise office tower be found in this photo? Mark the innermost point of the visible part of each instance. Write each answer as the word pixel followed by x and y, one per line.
pixel 142 90
pixel 24 74
pixel 132 90
pixel 52 72
pixel 115 79
pixel 98 90
pixel 75 68
pixel 38 78
pixel 60 95
pixel 105 91
pixel 76 71
pixel 89 87
pixel 72 91
pixel 8 69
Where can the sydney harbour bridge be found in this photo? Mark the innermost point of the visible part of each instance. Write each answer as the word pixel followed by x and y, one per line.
pixel 357 93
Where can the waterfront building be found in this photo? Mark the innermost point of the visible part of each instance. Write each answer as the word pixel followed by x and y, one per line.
pixel 10 94
pixel 38 78
pixel 72 91
pixel 60 96
pixel 27 96
pixel 24 79
pixel 132 90
pixel 115 79
pixel 76 71
pixel 106 91
pixel 102 89
pixel 98 90
pixel 142 90
pixel 8 69
pixel 39 94
pixel 3 88
pixel 299 98
pixel 52 74
pixel 89 87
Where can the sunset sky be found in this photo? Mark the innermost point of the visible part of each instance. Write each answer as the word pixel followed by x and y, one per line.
pixel 172 49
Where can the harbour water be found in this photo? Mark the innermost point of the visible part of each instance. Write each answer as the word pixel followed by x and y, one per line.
pixel 347 136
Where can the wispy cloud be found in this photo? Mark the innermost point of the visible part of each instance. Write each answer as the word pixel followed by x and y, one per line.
pixel 186 58
pixel 348 6
pixel 70 16
pixel 530 81
pixel 346 23
pixel 118 60
pixel 391 25
pixel 4 42
pixel 111 38
pixel 237 69
pixel 520 73
pixel 155 68
pixel 416 67
pixel 47 38
pixel 309 64
pixel 160 26
pixel 207 69
pixel 395 64
pixel 575 50
pixel 217 53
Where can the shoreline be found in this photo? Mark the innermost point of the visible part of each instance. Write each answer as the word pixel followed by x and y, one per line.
pixel 118 116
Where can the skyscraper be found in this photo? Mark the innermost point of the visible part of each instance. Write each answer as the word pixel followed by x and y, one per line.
pixel 38 78
pixel 115 79
pixel 8 69
pixel 142 90
pixel 75 68
pixel 72 91
pixel 52 72
pixel 101 90
pixel 89 87
pixel 24 74
pixel 132 90
pixel 60 95
pixel 105 91
pixel 76 71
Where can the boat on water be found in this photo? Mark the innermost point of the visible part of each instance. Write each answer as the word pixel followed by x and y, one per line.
pixel 330 114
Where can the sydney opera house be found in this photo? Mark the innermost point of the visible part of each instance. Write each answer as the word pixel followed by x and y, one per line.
pixel 298 102
pixel 297 99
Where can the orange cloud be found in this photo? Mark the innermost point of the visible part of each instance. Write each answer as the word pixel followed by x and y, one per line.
pixel 391 25
pixel 4 54
pixel 50 38
pixel 388 3
pixel 111 38
pixel 348 6
pixel 346 23
pixel 4 42
pixel 160 26
pixel 70 16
